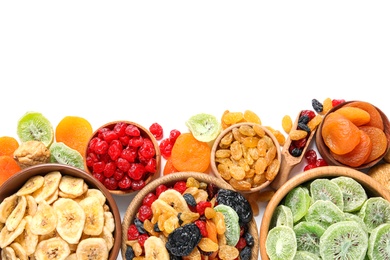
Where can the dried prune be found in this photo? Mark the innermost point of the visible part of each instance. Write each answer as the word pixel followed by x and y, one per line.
pixel 246 253
pixel 212 189
pixel 317 105
pixel 140 226
pixel 190 199
pixel 183 240
pixel 129 253
pixel 236 201
pixel 304 119
pixel 249 239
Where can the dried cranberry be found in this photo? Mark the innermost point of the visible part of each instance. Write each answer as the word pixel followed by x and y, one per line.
pixel 147 150
pixel 124 140
pixel 110 183
pixel 115 149
pixel 241 243
pixel 136 171
pixel 180 186
pixel 144 213
pixel 132 232
pixel 309 113
pixel 311 156
pixel 100 177
pixel 109 169
pixel 129 154
pixel 160 189
pixel 202 227
pixel 336 102
pixel 309 167
pixel 120 129
pixel 157 131
pixel 142 238
pixel 109 136
pixel 136 141
pixel 149 199
pixel 101 147
pixel 151 165
pixel 118 175
pixel 299 143
pixel 166 148
pixel 202 205
pixel 137 185
pixel 124 183
pixel 321 162
pixel 123 164
pixel 173 135
pixel 132 130
pixel 98 167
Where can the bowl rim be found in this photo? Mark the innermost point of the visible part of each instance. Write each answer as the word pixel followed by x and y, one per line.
pixel 144 132
pixel 214 148
pixel 369 184
pixel 8 189
pixel 131 211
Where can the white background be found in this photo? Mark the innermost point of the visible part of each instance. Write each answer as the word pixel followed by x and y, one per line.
pixel 164 61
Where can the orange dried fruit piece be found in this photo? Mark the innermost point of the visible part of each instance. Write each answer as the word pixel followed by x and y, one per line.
pixel 357 115
pixel 232 118
pixel 189 154
pixel 169 168
pixel 375 117
pixel 74 131
pixel 8 167
pixel 359 155
pixel 340 135
pixel 8 145
pixel 379 142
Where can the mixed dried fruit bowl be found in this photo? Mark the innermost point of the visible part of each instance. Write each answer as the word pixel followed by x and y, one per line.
pixel 322 205
pixel 80 215
pixel 184 214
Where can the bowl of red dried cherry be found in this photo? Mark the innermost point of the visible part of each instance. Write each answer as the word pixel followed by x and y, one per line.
pixel 187 215
pixel 124 156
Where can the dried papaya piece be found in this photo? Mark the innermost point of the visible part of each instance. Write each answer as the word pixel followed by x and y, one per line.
pixel 379 142
pixel 375 117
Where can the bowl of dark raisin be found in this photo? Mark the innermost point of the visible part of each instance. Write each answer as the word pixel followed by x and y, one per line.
pixel 189 215
pixel 124 156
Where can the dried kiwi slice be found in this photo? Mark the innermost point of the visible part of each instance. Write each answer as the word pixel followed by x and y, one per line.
pixel 281 243
pixel 232 232
pixel 378 242
pixel 282 217
pixel 35 126
pixel 204 127
pixel 344 240
pixel 353 192
pixel 308 236
pixel 298 200
pixel 324 213
pixel 63 154
pixel 304 255
pixel 374 212
pixel 325 189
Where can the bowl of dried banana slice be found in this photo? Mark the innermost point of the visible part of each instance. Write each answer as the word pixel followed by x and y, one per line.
pixel 57 210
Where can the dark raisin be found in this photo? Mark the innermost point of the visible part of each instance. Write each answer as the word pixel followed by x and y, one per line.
pixel 183 240
pixel 246 253
pixel 249 239
pixel 296 152
pixel 212 189
pixel 190 199
pixel 174 257
pixel 139 225
pixel 129 253
pixel 304 127
pixel 304 119
pixel 317 105
pixel 179 217
pixel 155 228
pixel 236 201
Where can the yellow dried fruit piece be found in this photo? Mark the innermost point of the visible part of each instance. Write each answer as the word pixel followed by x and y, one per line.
pixel 232 118
pixel 297 134
pixel 227 252
pixel 287 124
pixel 314 122
pixel 326 106
pixel 280 137
pixel 252 117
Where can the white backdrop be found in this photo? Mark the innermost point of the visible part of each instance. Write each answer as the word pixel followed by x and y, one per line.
pixel 164 61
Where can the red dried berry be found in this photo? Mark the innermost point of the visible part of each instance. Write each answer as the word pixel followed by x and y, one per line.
pixel 132 232
pixel 125 183
pixel 173 135
pixel 336 102
pixel 149 199
pixel 241 243
pixel 321 162
pixel 202 205
pixel 137 185
pixel 160 189
pixel 166 148
pixel 142 238
pixel 311 156
pixel 157 131
pixel 132 130
pixel 180 186
pixel 144 213
pixel 309 167
pixel 202 227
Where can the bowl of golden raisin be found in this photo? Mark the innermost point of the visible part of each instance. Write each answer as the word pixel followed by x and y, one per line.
pixel 246 156
pixel 355 134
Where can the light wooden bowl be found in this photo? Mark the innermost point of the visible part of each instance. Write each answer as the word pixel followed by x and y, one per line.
pixel 15 182
pixel 169 180
pixel 145 133
pixel 372 187
pixel 215 147
pixel 325 152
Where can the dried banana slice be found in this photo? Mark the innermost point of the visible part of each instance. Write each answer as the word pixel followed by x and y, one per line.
pixel 72 186
pixel 8 253
pixel 27 239
pixel 108 237
pixel 381 173
pixel 31 185
pixel 7 206
pixel 45 220
pixel 52 197
pixel 32 206
pixel 98 194
pixel 72 256
pixel 109 221
pixel 155 249
pixel 7 237
pixel 94 216
pixel 17 214
pixel 52 248
pixel 50 185
pixel 175 199
pixel 20 252
pixel 70 219
pixel 93 248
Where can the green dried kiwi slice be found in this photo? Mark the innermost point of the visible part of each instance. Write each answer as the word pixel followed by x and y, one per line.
pixel 281 243
pixel 63 154
pixel 356 218
pixel 304 255
pixel 354 195
pixel 374 212
pixel 282 216
pixel 232 232
pixel 344 240
pixel 298 200
pixel 324 213
pixel 378 242
pixel 204 127
pixel 34 126
pixel 308 236
pixel 325 189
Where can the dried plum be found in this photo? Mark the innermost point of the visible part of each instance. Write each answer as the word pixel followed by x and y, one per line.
pixel 140 226
pixel 129 255
pixel 249 239
pixel 183 240
pixel 236 201
pixel 190 199
pixel 246 253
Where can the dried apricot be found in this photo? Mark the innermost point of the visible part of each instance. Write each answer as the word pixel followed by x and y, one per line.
pixel 379 142
pixel 75 132
pixel 357 115
pixel 359 155
pixel 375 117
pixel 8 145
pixel 169 168
pixel 8 167
pixel 189 154
pixel 340 135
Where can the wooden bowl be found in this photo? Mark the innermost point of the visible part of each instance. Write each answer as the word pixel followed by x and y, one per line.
pixel 147 177
pixel 169 180
pixel 372 187
pixel 15 182
pixel 217 146
pixel 325 152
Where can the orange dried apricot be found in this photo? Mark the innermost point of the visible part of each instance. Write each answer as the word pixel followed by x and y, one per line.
pixel 74 131
pixel 189 154
pixel 169 168
pixel 375 117
pixel 359 154
pixel 340 135
pixel 379 142
pixel 8 167
pixel 8 145
pixel 357 115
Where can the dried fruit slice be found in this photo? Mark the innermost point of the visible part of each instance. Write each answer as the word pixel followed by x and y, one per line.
pixel 354 195
pixel 357 115
pixel 71 185
pixel 45 219
pixel 375 117
pixel 50 185
pixel 374 212
pixel 378 140
pixel 308 236
pixel 204 127
pixel 63 154
pixel 7 237
pixel 281 243
pixel 378 242
pixel 324 213
pixel 17 214
pixel 324 189
pixel 35 126
pixel 304 255
pixel 155 249
pixel 344 240
pixel 52 248
pixel 31 185
pixel 298 200
pixel 7 206
pixel 282 217
pixel 232 233
pixel 175 199
pixel 94 216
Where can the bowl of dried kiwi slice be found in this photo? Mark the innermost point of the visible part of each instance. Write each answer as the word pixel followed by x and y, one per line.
pixel 322 205
pixel 187 215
